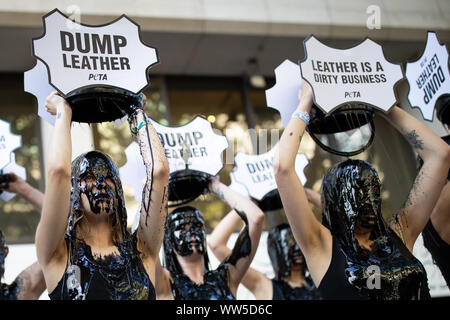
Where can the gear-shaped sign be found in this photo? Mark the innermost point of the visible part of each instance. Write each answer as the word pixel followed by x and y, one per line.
pixel 283 96
pixel 8 143
pixel 79 56
pixel 236 186
pixel 36 82
pixel 255 172
pixel 360 74
pixel 428 77
pixel 193 146
pixel 12 167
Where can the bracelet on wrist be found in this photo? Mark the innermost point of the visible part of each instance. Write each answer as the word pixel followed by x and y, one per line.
pixel 135 130
pixel 301 115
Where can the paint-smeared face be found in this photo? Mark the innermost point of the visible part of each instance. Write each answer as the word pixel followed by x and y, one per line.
pixel 351 197
pixel 188 231
pixel 291 249
pixel 97 187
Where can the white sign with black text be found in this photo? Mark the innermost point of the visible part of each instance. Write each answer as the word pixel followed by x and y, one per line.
pixel 340 76
pixel 256 173
pixel 194 146
pixel 84 56
pixel 8 143
pixel 428 77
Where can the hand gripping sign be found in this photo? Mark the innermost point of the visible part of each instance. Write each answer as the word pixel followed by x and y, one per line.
pixel 283 96
pixel 193 147
pixel 12 167
pixel 110 55
pixel 428 77
pixel 8 143
pixel 359 74
pixel 255 172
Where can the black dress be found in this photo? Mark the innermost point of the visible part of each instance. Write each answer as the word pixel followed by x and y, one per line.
pixel 115 277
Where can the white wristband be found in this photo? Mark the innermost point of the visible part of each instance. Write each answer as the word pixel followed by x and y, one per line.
pixel 302 115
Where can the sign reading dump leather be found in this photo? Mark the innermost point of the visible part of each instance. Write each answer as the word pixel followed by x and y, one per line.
pixel 428 77
pixel 110 55
pixel 359 74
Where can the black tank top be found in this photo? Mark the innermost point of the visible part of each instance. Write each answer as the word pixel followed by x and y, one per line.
pixel 214 286
pixel 439 249
pixel 411 281
pixel 9 291
pixel 116 277
pixel 283 291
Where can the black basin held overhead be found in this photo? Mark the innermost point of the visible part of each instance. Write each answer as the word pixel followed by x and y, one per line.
pixel 344 119
pixel 270 201
pixel 186 186
pixel 101 104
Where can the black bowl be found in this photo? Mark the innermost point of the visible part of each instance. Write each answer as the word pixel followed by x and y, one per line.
pixel 101 104
pixel 343 119
pixel 270 201
pixel 186 186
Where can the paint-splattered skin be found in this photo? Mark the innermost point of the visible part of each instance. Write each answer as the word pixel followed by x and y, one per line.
pixel 350 190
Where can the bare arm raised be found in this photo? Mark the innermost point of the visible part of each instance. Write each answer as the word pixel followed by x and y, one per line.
pixel 154 195
pixel 255 281
pixel 239 259
pixel 314 239
pixel 56 205
pixel 429 182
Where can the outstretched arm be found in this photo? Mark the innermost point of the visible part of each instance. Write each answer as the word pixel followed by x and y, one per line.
pixel 155 191
pixel 20 187
pixel 255 281
pixel 313 238
pixel 56 206
pixel 429 182
pixel 243 251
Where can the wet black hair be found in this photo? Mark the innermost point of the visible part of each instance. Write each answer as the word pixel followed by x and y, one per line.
pixel 277 250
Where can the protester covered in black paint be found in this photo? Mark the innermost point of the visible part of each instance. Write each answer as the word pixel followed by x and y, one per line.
pixel 30 283
pixel 82 241
pixel 354 254
pixel 436 235
pixel 186 274
pixel 290 282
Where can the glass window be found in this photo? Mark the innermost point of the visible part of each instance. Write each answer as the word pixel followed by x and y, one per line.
pixel 18 218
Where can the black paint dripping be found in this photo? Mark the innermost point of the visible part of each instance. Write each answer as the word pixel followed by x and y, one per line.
pixel 100 166
pixel 243 245
pixel 121 276
pixel 112 277
pixel 283 250
pixel 147 202
pixel 185 231
pixel 351 195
